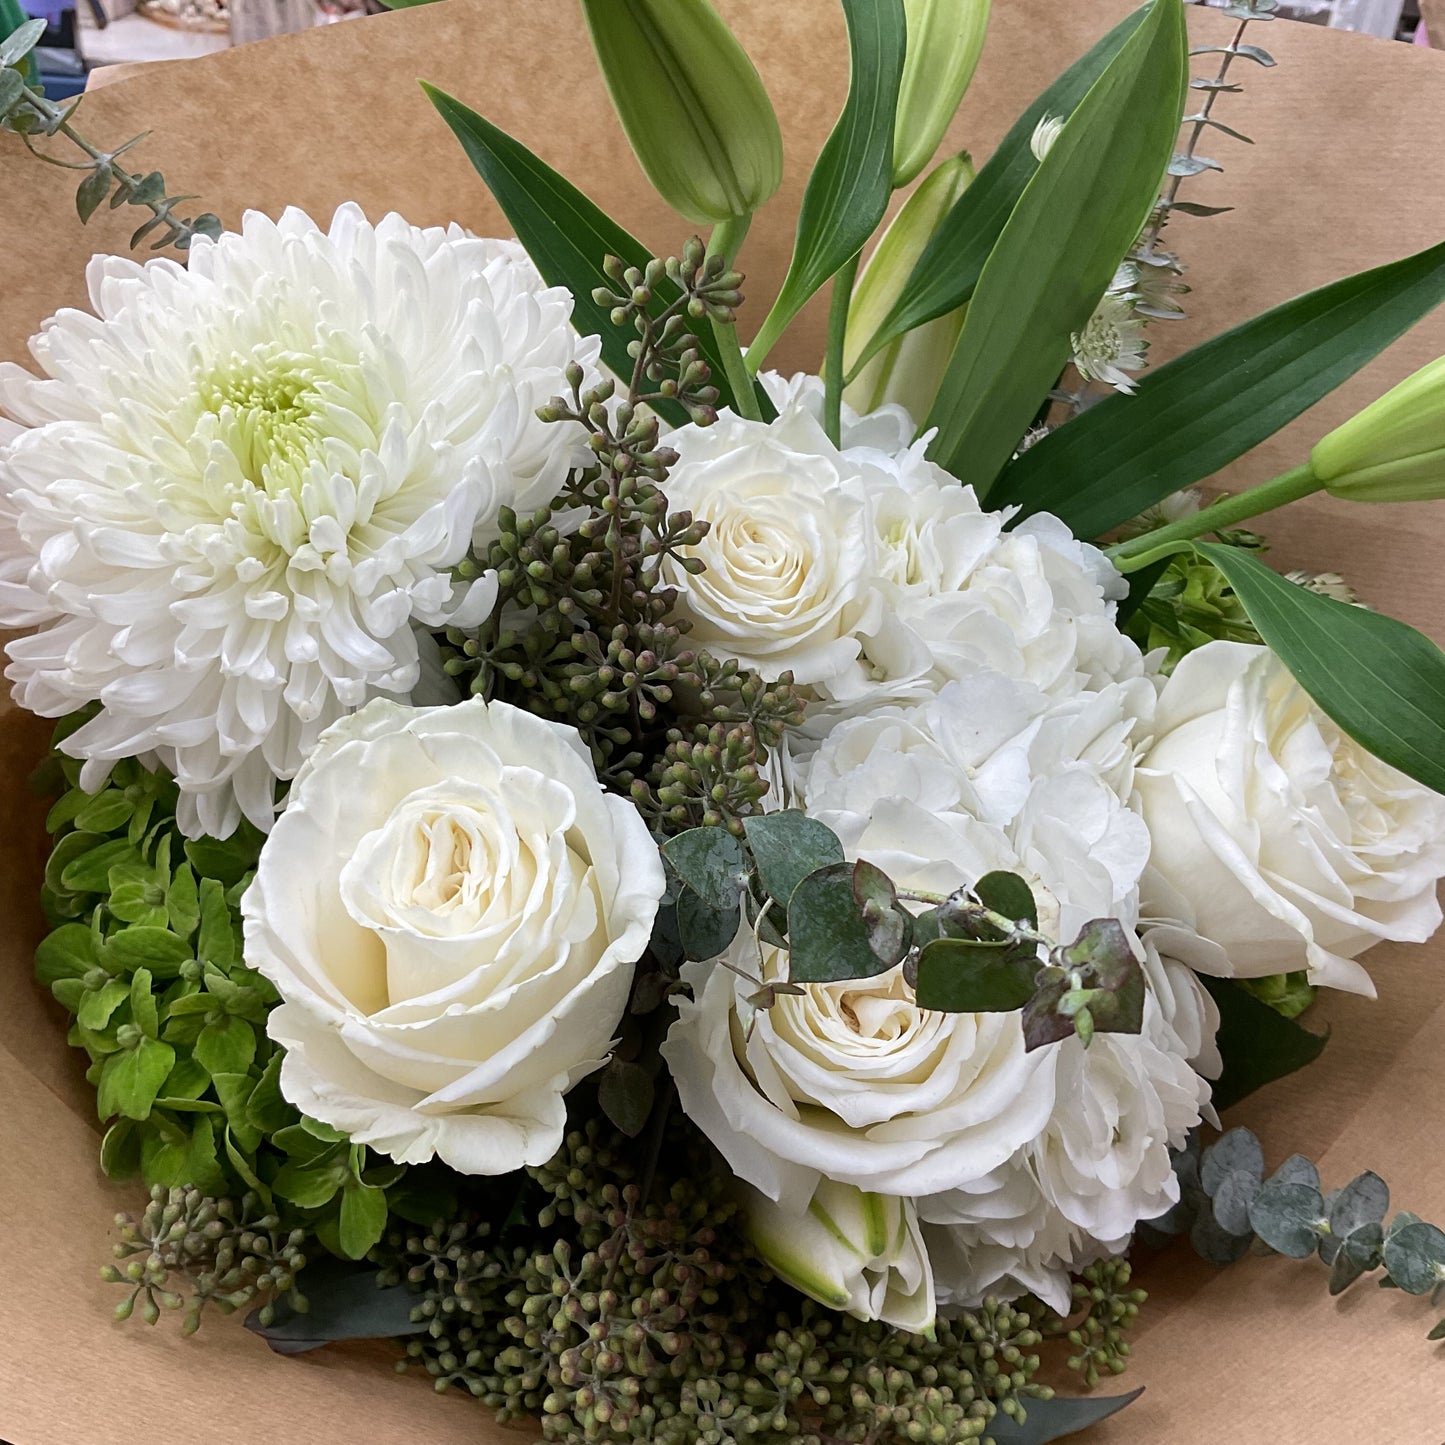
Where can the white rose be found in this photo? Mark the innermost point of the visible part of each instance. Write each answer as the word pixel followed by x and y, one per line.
pixel 1277 836
pixel 851 1082
pixel 873 574
pixel 450 907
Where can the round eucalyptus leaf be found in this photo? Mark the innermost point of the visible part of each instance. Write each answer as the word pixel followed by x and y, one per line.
pixel 1296 1170
pixel 1365 1200
pixel 1288 1218
pixel 1232 1200
pixel 1238 1151
pixel 1216 1244
pixel 1415 1257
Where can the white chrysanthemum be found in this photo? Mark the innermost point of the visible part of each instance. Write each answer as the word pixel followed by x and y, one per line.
pixel 242 482
pixel 1112 344
pixel 870 572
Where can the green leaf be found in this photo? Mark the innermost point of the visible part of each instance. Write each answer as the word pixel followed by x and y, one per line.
pixel 568 239
pixel 244 1165
pixel 234 1091
pixel 68 952
pixel 109 809
pixel 20 42
pixel 267 1108
pixel 97 1007
pixel 228 860
pixel 143 1011
pixel 226 1047
pixel 217 940
pixel 343 1302
pixel 852 179
pixel 1415 1258
pixel 1194 415
pixel 90 872
pixel 712 863
pixel 120 1150
pixel 625 1092
pixel 1258 1045
pixel 308 1186
pixel 1060 249
pixel 157 949
pixel 183 901
pixel 188 1080
pixel 958 975
pixel 131 1079
pixel 947 272
pixel 1009 895
pixel 1379 679
pixel 1289 1218
pixel 1049 1420
pixel 787 847
pixel 827 936
pixel 363 1218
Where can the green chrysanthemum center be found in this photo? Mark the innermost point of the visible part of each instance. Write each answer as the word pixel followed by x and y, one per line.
pixel 268 414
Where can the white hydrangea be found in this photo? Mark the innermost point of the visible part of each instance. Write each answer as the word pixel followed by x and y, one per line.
pixel 238 485
pixel 870 573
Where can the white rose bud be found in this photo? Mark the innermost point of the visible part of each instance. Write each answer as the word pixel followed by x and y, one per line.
pixel 1292 847
pixel 450 907
pixel 849 1250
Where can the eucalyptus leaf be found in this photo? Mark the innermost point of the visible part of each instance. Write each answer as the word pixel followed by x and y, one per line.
pixel 1009 895
pixel 1362 1201
pixel 1237 1151
pixel 1296 1170
pixel 712 863
pixel 1380 680
pixel 1288 1218
pixel 1257 1044
pixel 1060 250
pixel 704 932
pixel 947 272
pixel 20 42
pixel 827 935
pixel 625 1091
pixel 568 239
pixel 1049 1420
pixel 1415 1257
pixel 1232 1198
pixel 1194 415
pixel 958 975
pixel 788 846
pixel 343 1302
pixel 1213 1242
pixel 852 180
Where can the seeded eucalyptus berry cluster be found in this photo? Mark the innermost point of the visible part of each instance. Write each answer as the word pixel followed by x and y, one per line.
pixel 583 629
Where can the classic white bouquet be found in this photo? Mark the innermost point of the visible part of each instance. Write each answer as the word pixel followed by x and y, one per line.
pixel 735 907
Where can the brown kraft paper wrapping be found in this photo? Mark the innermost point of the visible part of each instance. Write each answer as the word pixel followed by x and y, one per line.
pixel 1346 173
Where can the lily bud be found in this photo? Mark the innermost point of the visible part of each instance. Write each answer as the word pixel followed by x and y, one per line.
pixel 692 104
pixel 909 369
pixel 945 40
pixel 849 1250
pixel 1394 450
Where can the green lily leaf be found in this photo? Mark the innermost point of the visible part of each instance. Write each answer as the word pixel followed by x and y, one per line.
pixel 1379 679
pixel 1060 249
pixel 1196 414
pixel 852 180
pixel 946 274
pixel 568 239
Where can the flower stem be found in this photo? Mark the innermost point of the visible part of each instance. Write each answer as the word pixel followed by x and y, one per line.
pixel 833 362
pixel 726 239
pixel 1139 552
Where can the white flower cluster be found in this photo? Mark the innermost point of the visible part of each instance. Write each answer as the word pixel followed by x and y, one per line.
pixel 232 507
pixel 238 488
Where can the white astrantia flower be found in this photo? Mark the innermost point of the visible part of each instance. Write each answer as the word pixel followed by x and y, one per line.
pixel 1022 1165
pixel 871 573
pixel 239 484
pixel 1112 344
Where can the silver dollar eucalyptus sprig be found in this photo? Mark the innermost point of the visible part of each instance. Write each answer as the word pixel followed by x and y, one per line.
pixel 25 111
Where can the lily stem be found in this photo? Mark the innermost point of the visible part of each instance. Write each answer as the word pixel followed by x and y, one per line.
pixel 833 360
pixel 725 240
pixel 1139 552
